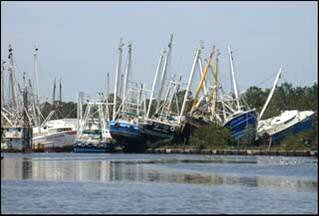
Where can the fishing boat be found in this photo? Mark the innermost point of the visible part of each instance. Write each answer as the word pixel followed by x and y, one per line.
pixel 163 123
pixel 55 135
pixel 289 122
pixel 125 126
pixel 49 134
pixel 204 110
pixel 91 141
pixel 243 120
pixel 93 133
pixel 16 130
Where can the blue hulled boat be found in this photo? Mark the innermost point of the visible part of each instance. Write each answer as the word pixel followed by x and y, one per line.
pixel 90 149
pixel 243 125
pixel 128 134
pixel 290 122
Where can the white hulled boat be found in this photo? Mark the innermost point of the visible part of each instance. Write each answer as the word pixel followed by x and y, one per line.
pixel 55 134
pixel 288 122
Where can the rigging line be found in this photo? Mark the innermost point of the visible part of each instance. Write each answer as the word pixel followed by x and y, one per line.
pixel 264 81
pixel 267 79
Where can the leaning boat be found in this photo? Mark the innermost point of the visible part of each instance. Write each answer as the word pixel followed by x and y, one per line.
pixel 126 132
pixel 125 126
pixel 162 125
pixel 243 125
pixel 287 123
pixel 243 121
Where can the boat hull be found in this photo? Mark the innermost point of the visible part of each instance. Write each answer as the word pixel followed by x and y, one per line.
pixel 243 126
pixel 57 140
pixel 303 125
pixel 128 135
pixel 89 149
pixel 195 122
pixel 157 131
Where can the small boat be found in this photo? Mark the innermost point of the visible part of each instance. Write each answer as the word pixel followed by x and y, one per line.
pixel 90 147
pixel 288 122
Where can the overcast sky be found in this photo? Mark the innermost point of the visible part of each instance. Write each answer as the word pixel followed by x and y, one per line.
pixel 78 40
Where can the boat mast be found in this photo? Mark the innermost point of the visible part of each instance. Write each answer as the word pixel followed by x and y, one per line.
pixel 107 86
pixel 164 73
pixel 2 82
pixel 127 74
pixel 200 85
pixel 271 93
pixel 34 103
pixel 233 77
pixel 117 74
pixel 60 95
pixel 215 85
pixel 11 80
pixel 159 66
pixel 36 66
pixel 79 113
pixel 189 83
pixel 53 96
pixel 201 73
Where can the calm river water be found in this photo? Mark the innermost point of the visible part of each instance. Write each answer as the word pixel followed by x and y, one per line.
pixel 157 183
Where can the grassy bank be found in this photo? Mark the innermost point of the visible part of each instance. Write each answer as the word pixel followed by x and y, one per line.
pixel 216 138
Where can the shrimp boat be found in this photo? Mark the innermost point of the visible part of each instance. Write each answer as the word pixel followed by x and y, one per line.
pixel 125 126
pixel 203 109
pixel 224 110
pixel 242 121
pixel 162 125
pixel 93 134
pixel 16 129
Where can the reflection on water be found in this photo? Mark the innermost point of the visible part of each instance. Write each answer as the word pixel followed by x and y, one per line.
pixel 142 171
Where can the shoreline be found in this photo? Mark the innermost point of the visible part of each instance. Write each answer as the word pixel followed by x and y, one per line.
pixel 301 153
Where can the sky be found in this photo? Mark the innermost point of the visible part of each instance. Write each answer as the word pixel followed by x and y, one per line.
pixel 78 41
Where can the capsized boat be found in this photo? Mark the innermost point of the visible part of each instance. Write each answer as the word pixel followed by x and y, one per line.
pixel 287 123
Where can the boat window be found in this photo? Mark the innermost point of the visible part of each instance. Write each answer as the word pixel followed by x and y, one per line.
pixel 63 129
pixel 289 120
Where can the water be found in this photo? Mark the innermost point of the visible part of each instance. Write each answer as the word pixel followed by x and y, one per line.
pixel 157 183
